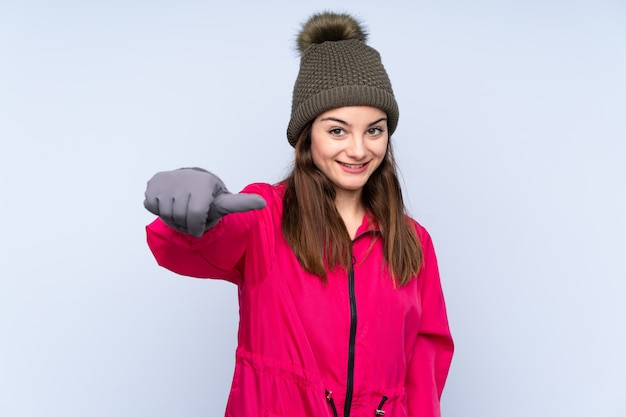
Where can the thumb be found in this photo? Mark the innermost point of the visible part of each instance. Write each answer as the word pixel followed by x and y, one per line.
pixel 225 203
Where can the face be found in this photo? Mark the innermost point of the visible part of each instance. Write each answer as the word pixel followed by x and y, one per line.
pixel 348 144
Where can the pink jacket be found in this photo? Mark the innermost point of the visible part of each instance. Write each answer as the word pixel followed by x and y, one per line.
pixel 356 346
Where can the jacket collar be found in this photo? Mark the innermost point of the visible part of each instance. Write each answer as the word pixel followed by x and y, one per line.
pixel 369 224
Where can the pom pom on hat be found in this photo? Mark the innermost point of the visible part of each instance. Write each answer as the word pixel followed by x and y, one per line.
pixel 328 26
pixel 337 69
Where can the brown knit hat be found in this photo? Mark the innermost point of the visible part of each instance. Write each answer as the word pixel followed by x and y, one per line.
pixel 337 69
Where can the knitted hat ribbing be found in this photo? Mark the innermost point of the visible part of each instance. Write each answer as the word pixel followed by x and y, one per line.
pixel 337 69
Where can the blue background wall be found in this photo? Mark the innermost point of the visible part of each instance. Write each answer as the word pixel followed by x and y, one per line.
pixel 512 145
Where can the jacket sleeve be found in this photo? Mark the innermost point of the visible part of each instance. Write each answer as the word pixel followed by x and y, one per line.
pixel 432 353
pixel 220 252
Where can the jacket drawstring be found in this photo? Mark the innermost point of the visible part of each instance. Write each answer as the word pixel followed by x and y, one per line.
pixel 329 398
pixel 379 409
pixel 331 401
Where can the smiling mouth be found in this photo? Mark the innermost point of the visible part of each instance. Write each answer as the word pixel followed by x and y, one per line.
pixel 353 166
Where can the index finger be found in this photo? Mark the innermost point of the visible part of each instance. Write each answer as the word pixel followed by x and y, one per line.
pixel 236 203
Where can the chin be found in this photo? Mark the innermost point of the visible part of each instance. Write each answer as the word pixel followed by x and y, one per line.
pixel 351 188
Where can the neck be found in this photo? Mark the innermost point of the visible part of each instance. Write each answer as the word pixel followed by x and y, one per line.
pixel 351 209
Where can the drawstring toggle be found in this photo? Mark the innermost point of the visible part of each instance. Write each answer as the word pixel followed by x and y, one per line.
pixel 379 409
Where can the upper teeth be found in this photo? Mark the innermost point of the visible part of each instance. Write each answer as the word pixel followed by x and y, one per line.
pixel 354 166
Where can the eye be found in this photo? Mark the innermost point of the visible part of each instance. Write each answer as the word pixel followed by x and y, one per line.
pixel 375 131
pixel 337 131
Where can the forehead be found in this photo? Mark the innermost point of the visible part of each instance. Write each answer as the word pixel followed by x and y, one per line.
pixel 353 114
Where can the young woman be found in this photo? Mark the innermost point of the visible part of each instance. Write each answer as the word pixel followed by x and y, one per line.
pixel 341 308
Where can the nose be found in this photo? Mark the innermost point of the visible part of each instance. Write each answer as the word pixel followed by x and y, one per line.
pixel 356 147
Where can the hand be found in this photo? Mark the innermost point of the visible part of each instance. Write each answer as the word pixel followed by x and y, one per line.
pixel 192 200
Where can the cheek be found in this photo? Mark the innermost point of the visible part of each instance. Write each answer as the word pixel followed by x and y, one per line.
pixel 316 159
pixel 381 149
pixel 320 152
pixel 315 154
pixel 380 152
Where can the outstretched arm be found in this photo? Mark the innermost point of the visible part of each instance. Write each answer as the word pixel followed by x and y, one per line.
pixel 192 200
pixel 190 237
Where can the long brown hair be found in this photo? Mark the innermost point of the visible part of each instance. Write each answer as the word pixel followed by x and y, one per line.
pixel 316 232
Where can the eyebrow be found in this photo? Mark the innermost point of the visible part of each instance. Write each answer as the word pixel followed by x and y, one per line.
pixel 343 122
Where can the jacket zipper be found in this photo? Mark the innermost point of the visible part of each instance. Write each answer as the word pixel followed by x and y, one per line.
pixel 351 346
